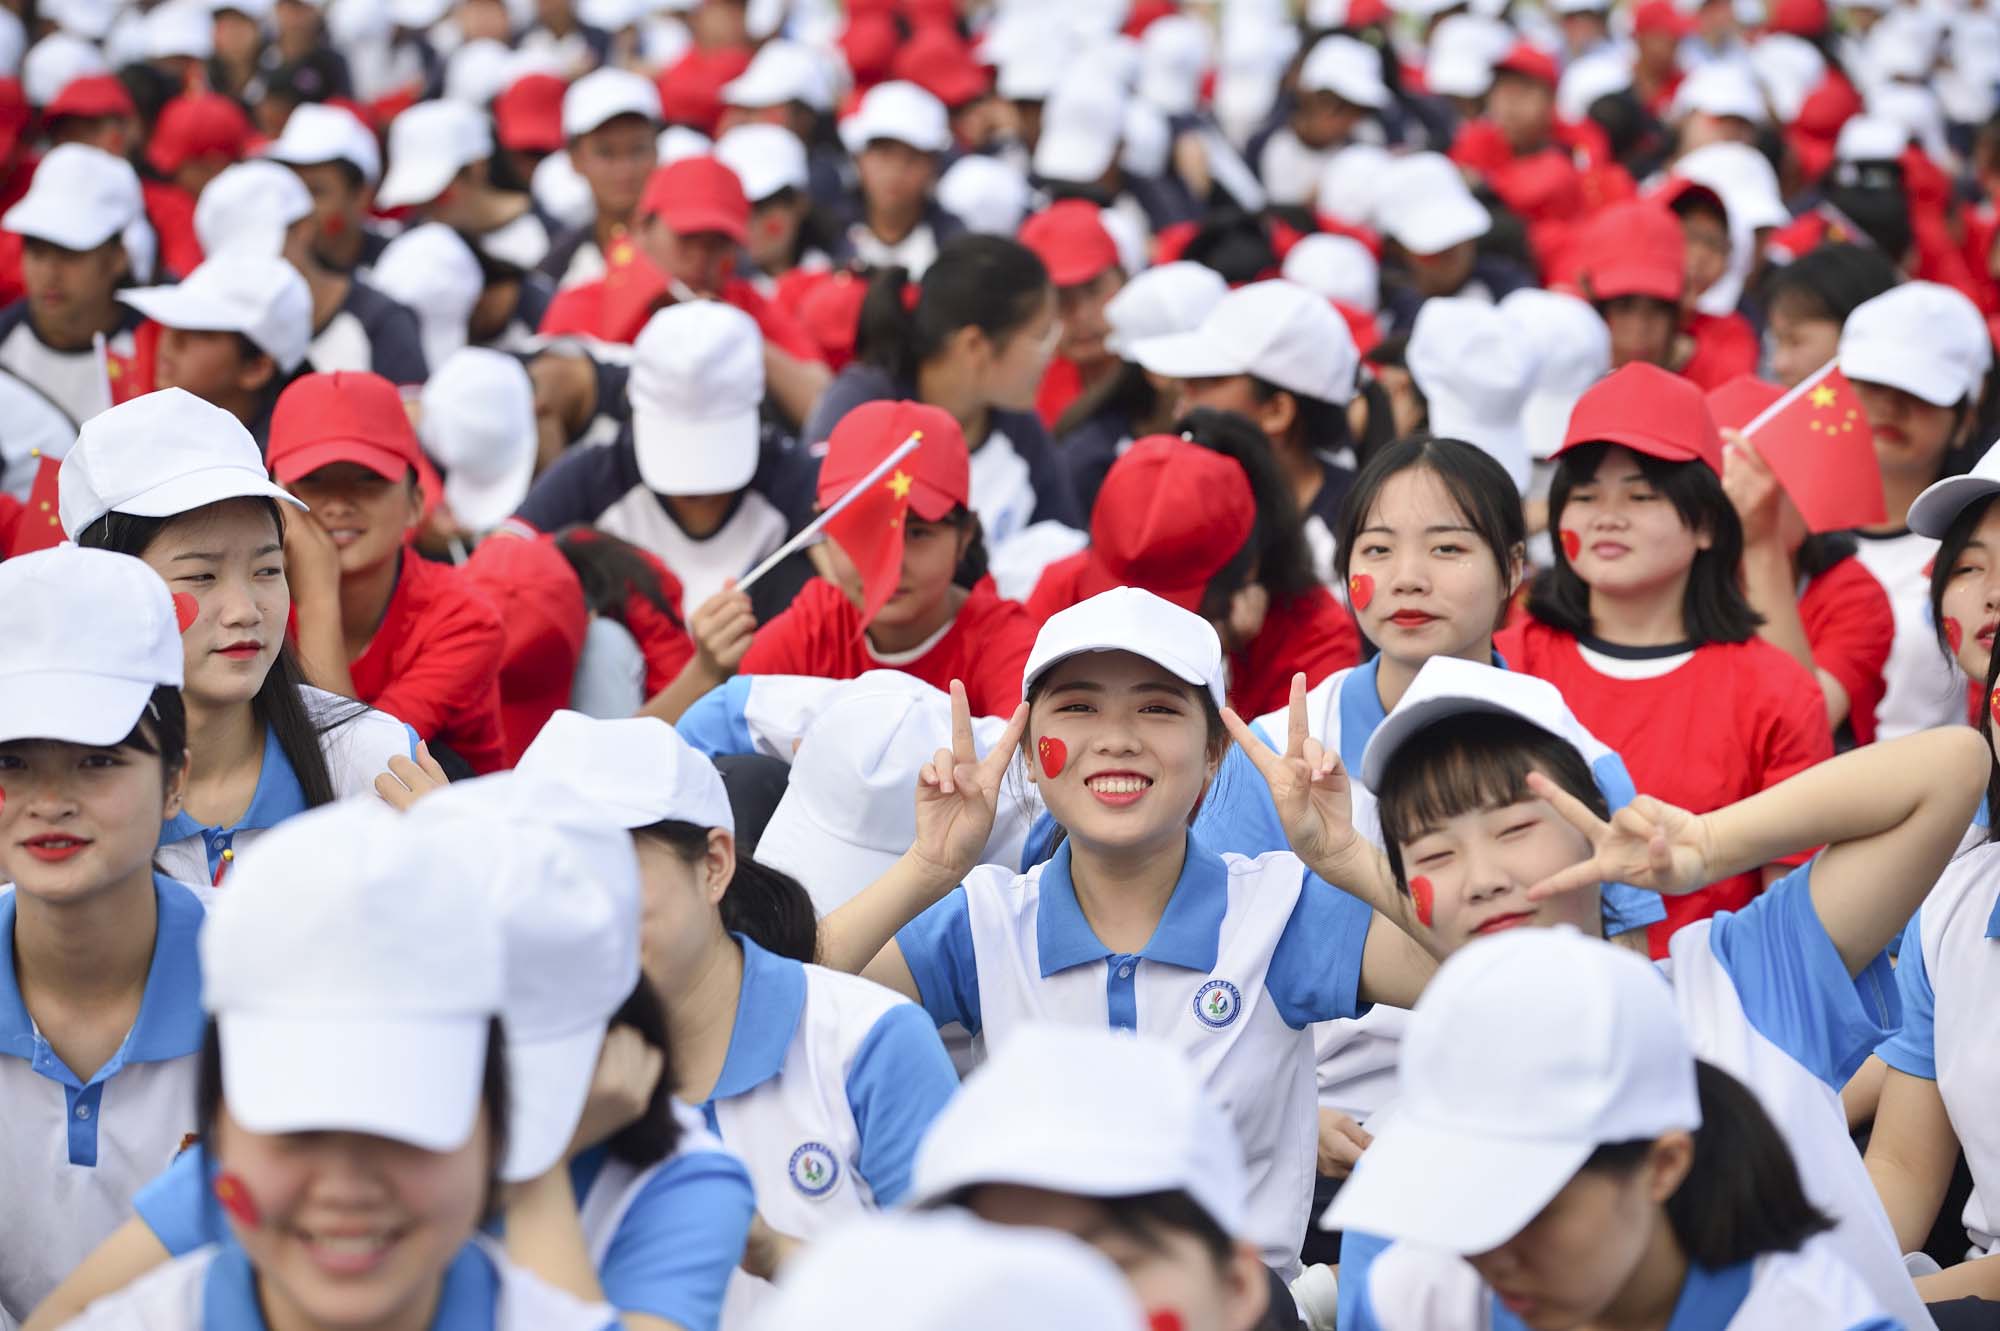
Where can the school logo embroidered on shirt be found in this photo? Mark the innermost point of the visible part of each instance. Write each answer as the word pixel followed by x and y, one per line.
pixel 1217 1003
pixel 814 1170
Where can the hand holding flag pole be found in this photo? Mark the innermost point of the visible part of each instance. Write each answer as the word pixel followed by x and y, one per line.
pixel 818 524
pixel 1815 439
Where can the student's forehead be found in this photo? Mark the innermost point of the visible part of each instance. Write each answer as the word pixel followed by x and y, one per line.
pixel 231 522
pixel 1114 671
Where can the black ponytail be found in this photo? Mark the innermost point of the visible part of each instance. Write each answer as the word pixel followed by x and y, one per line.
pixel 986 282
pixel 765 905
pixel 652 1136
pixel 612 571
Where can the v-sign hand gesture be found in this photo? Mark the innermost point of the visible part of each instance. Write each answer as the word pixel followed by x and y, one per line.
pixel 1308 785
pixel 957 791
pixel 1649 844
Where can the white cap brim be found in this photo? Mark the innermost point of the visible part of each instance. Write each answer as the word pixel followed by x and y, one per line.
pixel 70 706
pixel 416 180
pixel 832 868
pixel 1189 355
pixel 188 491
pixel 549 1081
pixel 411 1079
pixel 484 505
pixel 678 456
pixel 1075 157
pixel 59 222
pixel 1910 368
pixel 1939 506
pixel 1188 672
pixel 178 307
pixel 1441 224
pixel 1407 720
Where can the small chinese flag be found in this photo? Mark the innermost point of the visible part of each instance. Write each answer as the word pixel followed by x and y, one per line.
pixel 41 523
pixel 1817 441
pixel 870 532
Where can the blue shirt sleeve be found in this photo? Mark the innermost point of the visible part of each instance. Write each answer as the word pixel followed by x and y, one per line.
pixel 1913 1048
pixel 1237 814
pixel 175 1205
pixel 716 723
pixel 1626 908
pixel 1315 972
pixel 900 1079
pixel 937 947
pixel 1357 1254
pixel 1794 987
pixel 681 1238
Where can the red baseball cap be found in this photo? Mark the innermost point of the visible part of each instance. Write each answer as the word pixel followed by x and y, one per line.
pixel 1800 18
pixel 542 609
pixel 869 43
pixel 691 91
pixel 91 96
pixel 831 312
pixel 1648 410
pixel 198 124
pixel 1633 249
pixel 1169 516
pixel 347 416
pixel 697 194
pixel 937 60
pixel 527 117
pixel 1660 16
pixel 1529 61
pixel 940 468
pixel 1070 239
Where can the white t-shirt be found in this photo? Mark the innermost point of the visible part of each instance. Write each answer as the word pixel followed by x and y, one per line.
pixel 1922 687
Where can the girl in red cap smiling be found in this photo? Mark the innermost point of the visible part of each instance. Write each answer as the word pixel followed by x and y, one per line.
pixel 1643 616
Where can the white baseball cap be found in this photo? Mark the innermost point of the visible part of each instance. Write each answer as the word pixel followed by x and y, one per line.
pixel 1589 77
pixel 429 144
pixel 899 111
pixel 633 771
pixel 1289 170
pixel 1869 138
pixel 1090 1113
pixel 1082 123
pixel 697 384
pixel 432 270
pixel 1145 141
pixel 1168 298
pixel 478 424
pixel 159 455
pixel 56 61
pixel 989 195
pixel 258 295
pixel 85 638
pixel 782 71
pixel 1347 67
pixel 1940 504
pixel 1130 619
pixel 1174 54
pixel 885 1271
pixel 1575 352
pixel 766 158
pixel 1475 372
pixel 85 18
pixel 354 968
pixel 79 198
pixel 678 141
pixel 1350 185
pixel 179 28
pixel 1922 337
pixel 1526 1053
pixel 247 208
pixel 1721 88
pixel 316 134
pixel 1276 330
pixel 477 72
pixel 1339 268
pixel 1426 206
pixel 1743 178
pixel 568 905
pixel 1447 687
pixel 603 95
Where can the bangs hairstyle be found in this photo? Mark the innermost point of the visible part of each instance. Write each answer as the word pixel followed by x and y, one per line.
pixel 1714 608
pixel 1468 763
pixel 1950 550
pixel 1479 487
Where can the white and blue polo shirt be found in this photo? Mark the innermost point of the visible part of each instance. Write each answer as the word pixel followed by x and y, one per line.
pixel 829 1083
pixel 73 1152
pixel 664 1239
pixel 1949 977
pixel 357 751
pixel 1764 995
pixel 1248 954
pixel 215 1289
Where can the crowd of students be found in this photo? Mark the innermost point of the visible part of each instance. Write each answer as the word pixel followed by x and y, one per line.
pixel 1206 666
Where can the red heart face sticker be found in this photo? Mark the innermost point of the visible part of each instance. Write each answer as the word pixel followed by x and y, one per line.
pixel 1930 566
pixel 1954 633
pixel 1993 706
pixel 1424 898
pixel 1572 544
pixel 1360 591
pixel 1053 753
pixel 234 1194
pixel 1164 1320
pixel 186 609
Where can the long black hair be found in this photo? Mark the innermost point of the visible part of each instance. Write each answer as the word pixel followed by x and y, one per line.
pixel 1986 728
pixel 1126 391
pixel 652 1136
pixel 279 704
pixel 984 282
pixel 765 905
pixel 1714 608
pixel 1276 553
pixel 612 571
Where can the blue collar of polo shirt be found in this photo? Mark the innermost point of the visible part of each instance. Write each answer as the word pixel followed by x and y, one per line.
pixel 170 1023
pixel 1710 1298
pixel 768 1008
pixel 278 796
pixel 1188 934
pixel 1361 711
pixel 470 1296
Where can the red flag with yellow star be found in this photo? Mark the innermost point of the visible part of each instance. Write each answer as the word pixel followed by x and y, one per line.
pixel 40 526
pixel 870 532
pixel 1816 439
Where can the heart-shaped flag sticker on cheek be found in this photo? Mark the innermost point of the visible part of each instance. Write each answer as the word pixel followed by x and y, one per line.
pixel 1572 544
pixel 186 609
pixel 1993 706
pixel 1954 633
pixel 1053 753
pixel 234 1194
pixel 1360 591
pixel 1424 898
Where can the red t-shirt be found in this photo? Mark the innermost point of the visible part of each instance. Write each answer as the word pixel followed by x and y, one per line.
pixel 1061 385
pixel 662 638
pixel 819 633
pixel 1314 634
pixel 435 662
pixel 1730 721
pixel 1849 625
pixel 171 211
pixel 1725 346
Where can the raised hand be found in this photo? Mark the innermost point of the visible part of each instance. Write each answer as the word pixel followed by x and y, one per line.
pixel 1310 788
pixel 957 792
pixel 722 627
pixel 1648 843
pixel 406 782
